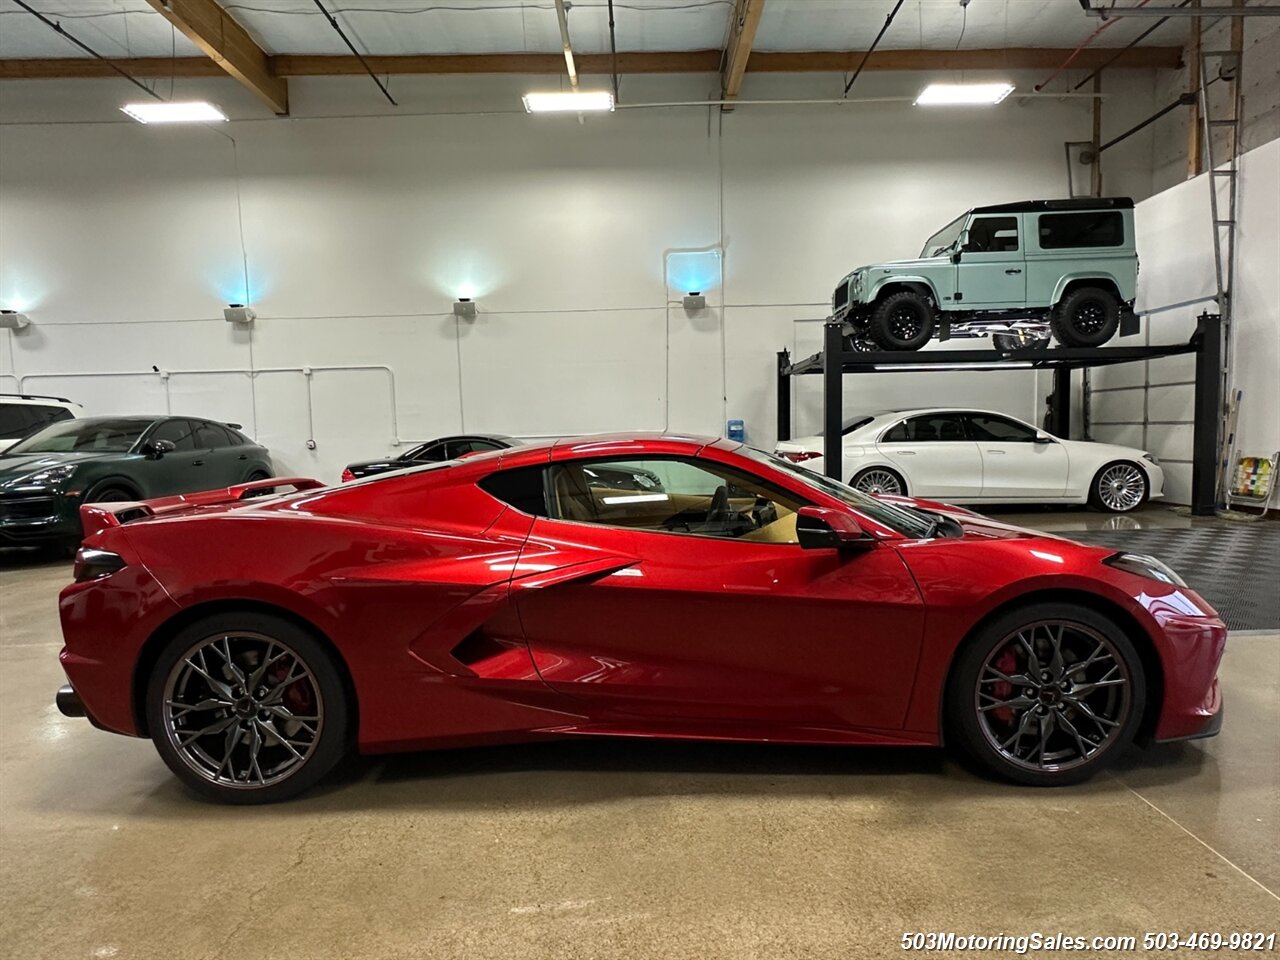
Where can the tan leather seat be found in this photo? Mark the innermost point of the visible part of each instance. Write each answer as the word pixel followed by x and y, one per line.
pixel 573 497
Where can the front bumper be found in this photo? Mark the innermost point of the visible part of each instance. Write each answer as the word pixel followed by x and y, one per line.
pixel 1192 703
pixel 32 517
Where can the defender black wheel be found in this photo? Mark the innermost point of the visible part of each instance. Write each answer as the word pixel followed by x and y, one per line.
pixel 1046 695
pixel 1087 317
pixel 1118 487
pixel 902 321
pixel 859 345
pixel 247 708
pixel 874 480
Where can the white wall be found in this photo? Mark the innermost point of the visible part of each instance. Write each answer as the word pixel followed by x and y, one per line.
pixel 1176 246
pixel 123 242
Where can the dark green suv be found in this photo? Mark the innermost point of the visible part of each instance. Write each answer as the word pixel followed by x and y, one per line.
pixel 46 477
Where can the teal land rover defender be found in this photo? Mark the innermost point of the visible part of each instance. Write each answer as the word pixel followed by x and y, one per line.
pixel 1019 272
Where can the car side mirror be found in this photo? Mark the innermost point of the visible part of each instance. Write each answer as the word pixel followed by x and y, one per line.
pixel 155 449
pixel 821 528
pixel 1042 437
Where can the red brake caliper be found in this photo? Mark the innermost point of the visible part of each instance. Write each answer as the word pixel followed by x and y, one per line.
pixel 1002 689
pixel 298 697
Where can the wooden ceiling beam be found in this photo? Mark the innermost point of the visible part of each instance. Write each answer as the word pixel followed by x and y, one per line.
pixel 229 46
pixel 696 61
pixel 744 22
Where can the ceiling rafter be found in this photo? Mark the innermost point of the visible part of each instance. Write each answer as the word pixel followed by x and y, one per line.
pixel 696 61
pixel 228 45
pixel 743 23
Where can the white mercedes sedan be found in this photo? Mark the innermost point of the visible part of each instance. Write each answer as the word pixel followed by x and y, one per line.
pixel 979 456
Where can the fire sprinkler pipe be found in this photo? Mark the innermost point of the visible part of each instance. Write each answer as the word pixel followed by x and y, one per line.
pixel 1075 53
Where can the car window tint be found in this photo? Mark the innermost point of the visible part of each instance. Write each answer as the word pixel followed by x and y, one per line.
pixel 432 452
pixel 672 495
pixel 993 235
pixel 521 488
pixel 483 446
pixel 926 428
pixel 1103 228
pixel 456 448
pixel 989 428
pixel 14 420
pixel 177 432
pixel 211 435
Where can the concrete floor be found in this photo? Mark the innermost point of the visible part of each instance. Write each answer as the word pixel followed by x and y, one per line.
pixel 601 849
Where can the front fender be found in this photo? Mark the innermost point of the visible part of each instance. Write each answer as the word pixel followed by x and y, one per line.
pixel 902 280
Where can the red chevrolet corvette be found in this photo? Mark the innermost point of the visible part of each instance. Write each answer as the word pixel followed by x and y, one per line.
pixel 629 585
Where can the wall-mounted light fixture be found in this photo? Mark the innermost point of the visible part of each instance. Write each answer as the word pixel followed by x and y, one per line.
pixel 963 94
pixel 569 101
pixel 240 314
pixel 695 301
pixel 192 111
pixel 13 320
pixel 465 308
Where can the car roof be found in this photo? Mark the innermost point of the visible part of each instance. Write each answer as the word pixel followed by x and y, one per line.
pixel 1079 203
pixel 633 444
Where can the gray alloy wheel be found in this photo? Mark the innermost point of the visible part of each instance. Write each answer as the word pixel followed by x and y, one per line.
pixel 1119 487
pixel 878 480
pixel 1052 695
pixel 1045 694
pixel 247 708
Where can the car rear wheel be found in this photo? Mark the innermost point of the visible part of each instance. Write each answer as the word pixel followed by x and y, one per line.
pixel 1118 487
pixel 879 480
pixel 254 477
pixel 1046 694
pixel 902 321
pixel 1086 317
pixel 247 708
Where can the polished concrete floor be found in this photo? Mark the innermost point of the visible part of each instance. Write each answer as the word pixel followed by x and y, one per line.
pixel 602 849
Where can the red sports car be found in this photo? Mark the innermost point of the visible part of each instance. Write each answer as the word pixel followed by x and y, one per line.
pixel 628 585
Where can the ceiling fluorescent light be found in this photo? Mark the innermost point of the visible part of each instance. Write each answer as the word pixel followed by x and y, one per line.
pixel 571 101
pixel 953 94
pixel 194 111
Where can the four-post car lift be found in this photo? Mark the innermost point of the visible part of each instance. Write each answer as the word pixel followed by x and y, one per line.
pixel 835 362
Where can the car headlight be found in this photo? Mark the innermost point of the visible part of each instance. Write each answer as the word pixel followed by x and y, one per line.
pixel 1144 566
pixel 52 475
pixel 1152 458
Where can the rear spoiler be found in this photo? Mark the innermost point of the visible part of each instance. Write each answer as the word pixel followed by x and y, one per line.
pixel 96 517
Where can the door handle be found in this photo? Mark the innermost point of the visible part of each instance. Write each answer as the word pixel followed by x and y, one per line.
pixel 907 453
pixel 243 456
pixel 1001 452
pixel 1012 272
pixel 197 463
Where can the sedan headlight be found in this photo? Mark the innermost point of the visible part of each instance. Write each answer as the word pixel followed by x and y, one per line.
pixel 1152 458
pixel 51 476
pixel 1144 566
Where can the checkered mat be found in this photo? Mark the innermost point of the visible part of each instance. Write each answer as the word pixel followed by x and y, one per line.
pixel 1237 569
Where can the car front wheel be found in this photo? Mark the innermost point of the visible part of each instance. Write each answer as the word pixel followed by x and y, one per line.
pixel 1046 695
pixel 1118 487
pixel 902 321
pixel 247 708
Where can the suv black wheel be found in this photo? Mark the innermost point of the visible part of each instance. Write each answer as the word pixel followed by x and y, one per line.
pixel 859 345
pixel 1086 317
pixel 1046 694
pixel 247 708
pixel 902 321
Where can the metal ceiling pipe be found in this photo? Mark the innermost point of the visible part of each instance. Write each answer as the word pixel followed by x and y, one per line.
pixel 1116 13
pixel 562 14
pixel 1075 53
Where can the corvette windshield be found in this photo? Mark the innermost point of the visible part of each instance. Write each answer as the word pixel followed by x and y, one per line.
pixel 943 240
pixel 901 519
pixel 83 436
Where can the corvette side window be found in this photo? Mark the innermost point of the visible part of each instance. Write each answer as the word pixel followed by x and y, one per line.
pixel 521 488
pixel 672 495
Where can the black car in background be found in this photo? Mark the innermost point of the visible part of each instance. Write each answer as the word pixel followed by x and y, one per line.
pixel 433 451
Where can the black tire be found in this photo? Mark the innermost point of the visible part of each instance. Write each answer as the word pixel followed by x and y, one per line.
pixel 1118 701
pixel 259 475
pixel 1086 317
pixel 865 474
pixel 110 492
pixel 902 321
pixel 1119 487
pixel 320 688
pixel 859 345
